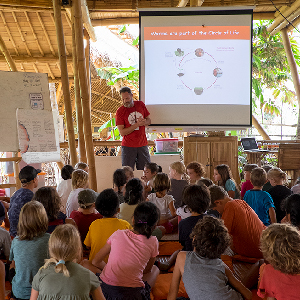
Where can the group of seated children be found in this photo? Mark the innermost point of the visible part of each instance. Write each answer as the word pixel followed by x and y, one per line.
pixel 119 227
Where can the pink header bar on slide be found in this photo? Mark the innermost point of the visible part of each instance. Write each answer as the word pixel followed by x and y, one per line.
pixel 198 33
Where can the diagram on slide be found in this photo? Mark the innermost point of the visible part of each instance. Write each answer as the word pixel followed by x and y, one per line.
pixel 197 69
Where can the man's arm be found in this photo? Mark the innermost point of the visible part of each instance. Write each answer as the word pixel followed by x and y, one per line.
pixel 148 121
pixel 140 122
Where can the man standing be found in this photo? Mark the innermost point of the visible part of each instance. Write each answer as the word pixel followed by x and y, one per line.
pixel 131 119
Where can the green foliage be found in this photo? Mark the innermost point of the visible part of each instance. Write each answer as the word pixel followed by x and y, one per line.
pixel 270 69
pixel 113 74
pixel 136 41
pixel 122 29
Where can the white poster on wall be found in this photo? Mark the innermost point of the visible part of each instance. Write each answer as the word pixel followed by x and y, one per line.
pixel 37 136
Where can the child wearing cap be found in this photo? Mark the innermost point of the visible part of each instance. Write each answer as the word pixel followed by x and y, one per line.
pixel 29 181
pixel 86 212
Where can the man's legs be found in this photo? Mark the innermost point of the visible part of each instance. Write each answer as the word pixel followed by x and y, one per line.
pixel 129 155
pixel 143 157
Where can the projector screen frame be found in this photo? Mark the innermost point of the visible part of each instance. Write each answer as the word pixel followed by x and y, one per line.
pixel 195 11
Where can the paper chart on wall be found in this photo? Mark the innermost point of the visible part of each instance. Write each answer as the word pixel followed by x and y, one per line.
pixel 36 134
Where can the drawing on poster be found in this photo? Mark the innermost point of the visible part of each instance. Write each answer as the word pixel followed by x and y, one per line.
pixel 36 132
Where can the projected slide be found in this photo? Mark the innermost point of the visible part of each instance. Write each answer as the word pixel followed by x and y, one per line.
pixel 197 65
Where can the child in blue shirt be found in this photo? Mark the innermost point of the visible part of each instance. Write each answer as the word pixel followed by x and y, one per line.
pixel 260 201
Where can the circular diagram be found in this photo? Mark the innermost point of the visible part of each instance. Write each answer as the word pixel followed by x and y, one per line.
pixel 197 70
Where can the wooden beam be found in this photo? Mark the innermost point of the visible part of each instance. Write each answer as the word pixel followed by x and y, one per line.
pixel 293 68
pixel 33 33
pixel 286 13
pixel 294 24
pixel 65 80
pixel 84 93
pixel 7 56
pixel 87 21
pixel 259 128
pixel 135 20
pixel 8 32
pixel 289 20
pixel 36 59
pixel 115 21
pixel 182 3
pixel 21 33
pixel 46 33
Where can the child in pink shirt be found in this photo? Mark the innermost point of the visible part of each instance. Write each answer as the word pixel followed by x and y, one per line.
pixel 280 278
pixel 247 185
pixel 130 273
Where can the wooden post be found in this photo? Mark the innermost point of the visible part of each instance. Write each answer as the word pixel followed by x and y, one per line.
pixel 81 142
pixel 293 67
pixel 84 89
pixel 65 80
pixel 261 131
pixel 87 62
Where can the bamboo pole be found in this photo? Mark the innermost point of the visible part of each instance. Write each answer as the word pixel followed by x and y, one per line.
pixel 293 68
pixel 182 3
pixel 84 94
pixel 260 130
pixel 87 62
pixel 195 3
pixel 87 21
pixel 79 120
pixel 65 80
pixel 294 24
pixel 286 13
pixel 288 20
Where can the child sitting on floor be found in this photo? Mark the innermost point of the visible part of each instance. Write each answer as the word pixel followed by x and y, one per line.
pixel 130 273
pixel 133 196
pixel 86 213
pixel 150 170
pixel 260 201
pixel 247 185
pixel 119 182
pixel 48 196
pixel 80 181
pixel 107 204
pixel 195 171
pixel 30 248
pixel 204 274
pixel 61 277
pixel 179 180
pixel 279 190
pixel 164 202
pixel 291 205
pixel 280 279
pixel 197 199
pixel 224 178
pixel 128 172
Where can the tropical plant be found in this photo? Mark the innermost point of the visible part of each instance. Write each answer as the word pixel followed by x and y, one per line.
pixel 271 70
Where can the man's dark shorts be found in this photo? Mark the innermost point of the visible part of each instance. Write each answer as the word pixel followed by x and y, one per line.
pixel 138 156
